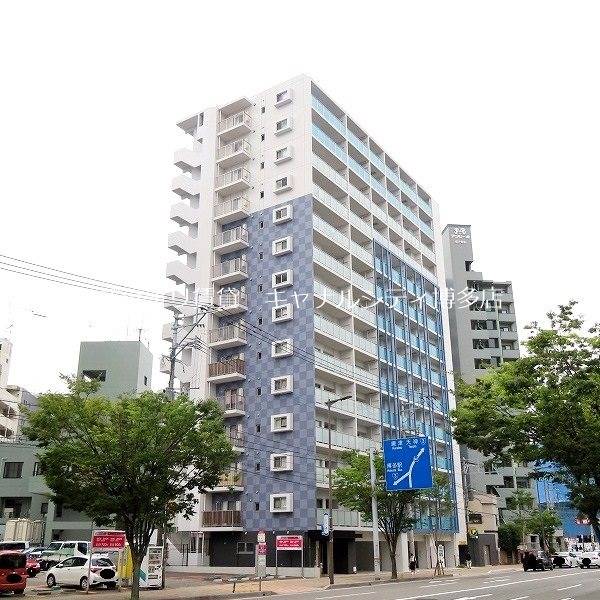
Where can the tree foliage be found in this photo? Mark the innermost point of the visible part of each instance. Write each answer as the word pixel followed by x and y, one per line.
pixel 544 407
pixel 133 462
pixel 509 537
pixel 544 522
pixel 395 510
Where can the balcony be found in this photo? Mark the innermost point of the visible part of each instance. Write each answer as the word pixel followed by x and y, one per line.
pixel 233 181
pixel 230 240
pixel 180 273
pixel 233 369
pixel 222 518
pixel 185 215
pixel 232 404
pixel 186 187
pixel 230 270
pixel 233 481
pixel 232 209
pixel 343 519
pixel 227 337
pixel 236 439
pixel 232 301
pixel 344 441
pixel 234 127
pixel 182 243
pixel 187 159
pixel 233 154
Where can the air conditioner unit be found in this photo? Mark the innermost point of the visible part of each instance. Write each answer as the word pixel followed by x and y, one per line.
pixel 9 513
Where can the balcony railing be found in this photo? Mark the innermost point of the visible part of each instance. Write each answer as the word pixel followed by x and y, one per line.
pixel 344 440
pixel 238 234
pixel 230 367
pixel 343 518
pixel 236 438
pixel 234 176
pixel 231 479
pixel 230 266
pixel 232 298
pixel 233 401
pixel 239 203
pixel 226 333
pixel 233 148
pixel 241 118
pixel 221 518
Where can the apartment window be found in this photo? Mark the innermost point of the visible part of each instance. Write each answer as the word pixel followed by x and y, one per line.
pixel 282 279
pixel 259 391
pixel 282 422
pixel 283 97
pixel 245 548
pixel 282 214
pixel 257 466
pixel 262 137
pixel 262 195
pixel 260 287
pixel 282 462
pixel 262 110
pixel 482 363
pixel 523 483
pixel 283 154
pixel 13 470
pixel 37 469
pixel 283 125
pixel 256 506
pixel 476 518
pixel 257 428
pixel 258 355
pixel 280 348
pixel 282 313
pixel 282 385
pixel 480 344
pixel 281 503
pixel 261 224
pixel 509 482
pixel 281 246
pixel 262 165
pixel 283 184
pixel 145 380
pixel 260 319
pixel 260 256
pixel 94 375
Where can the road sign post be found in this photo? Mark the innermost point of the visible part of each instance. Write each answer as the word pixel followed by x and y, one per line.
pixel 407 464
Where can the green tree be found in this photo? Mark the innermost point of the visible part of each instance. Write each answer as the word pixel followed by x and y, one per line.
pixel 509 538
pixel 133 462
pixel 544 522
pixel 438 503
pixel 521 501
pixel 395 510
pixel 544 407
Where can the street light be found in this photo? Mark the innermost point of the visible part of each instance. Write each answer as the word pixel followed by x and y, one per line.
pixel 330 542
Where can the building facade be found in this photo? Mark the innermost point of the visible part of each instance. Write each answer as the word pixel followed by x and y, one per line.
pixel 121 366
pixel 321 259
pixel 483 333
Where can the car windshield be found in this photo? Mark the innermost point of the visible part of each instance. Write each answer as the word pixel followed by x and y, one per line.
pixel 102 562
pixel 54 546
pixel 12 561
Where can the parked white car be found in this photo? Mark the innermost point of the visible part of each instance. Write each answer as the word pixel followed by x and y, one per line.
pixel 586 560
pixel 74 571
pixel 58 551
pixel 565 559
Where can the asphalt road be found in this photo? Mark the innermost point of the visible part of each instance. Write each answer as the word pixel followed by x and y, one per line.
pixel 565 584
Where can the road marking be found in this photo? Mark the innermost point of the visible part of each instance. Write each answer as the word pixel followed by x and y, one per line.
pixel 438 584
pixel 473 597
pixel 344 595
pixel 520 598
pixel 569 587
pixel 487 587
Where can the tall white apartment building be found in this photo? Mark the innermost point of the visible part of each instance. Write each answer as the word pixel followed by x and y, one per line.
pixel 324 257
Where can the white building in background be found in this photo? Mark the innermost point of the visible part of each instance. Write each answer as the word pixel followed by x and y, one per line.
pixel 301 227
pixel 12 397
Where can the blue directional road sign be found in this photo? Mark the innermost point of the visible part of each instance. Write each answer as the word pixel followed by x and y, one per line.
pixel 407 464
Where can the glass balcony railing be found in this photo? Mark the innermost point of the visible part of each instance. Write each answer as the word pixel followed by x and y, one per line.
pixel 342 518
pixel 231 297
pixel 322 397
pixel 360 224
pixel 331 263
pixel 333 329
pixel 334 148
pixel 378 163
pixel 234 176
pixel 368 411
pixel 238 234
pixel 330 172
pixel 333 364
pixel 360 196
pixel 239 203
pixel 233 148
pixel 359 170
pixel 365 314
pixel 365 344
pixel 344 440
pixel 333 203
pixel 361 252
pixel 362 282
pixel 230 266
pixel 378 187
pixel 358 143
pixel 334 121
pixel 330 231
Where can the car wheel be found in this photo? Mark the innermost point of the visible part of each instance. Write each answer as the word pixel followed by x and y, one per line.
pixel 83 583
pixel 525 569
pixel 111 585
pixel 18 592
pixel 50 581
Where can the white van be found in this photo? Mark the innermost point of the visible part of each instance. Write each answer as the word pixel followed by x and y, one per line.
pixel 57 551
pixel 18 545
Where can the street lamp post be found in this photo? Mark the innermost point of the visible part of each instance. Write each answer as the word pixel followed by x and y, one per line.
pixel 330 500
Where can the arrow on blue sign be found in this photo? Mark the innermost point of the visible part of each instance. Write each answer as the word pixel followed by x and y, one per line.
pixel 407 464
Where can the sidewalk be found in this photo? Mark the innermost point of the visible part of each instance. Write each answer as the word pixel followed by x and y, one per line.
pixel 192 587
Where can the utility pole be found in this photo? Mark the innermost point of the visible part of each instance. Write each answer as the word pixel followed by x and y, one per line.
pixel 376 559
pixel 330 494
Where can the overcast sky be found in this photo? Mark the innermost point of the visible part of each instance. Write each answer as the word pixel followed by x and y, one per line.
pixel 493 107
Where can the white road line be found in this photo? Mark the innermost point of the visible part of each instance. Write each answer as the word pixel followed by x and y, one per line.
pixel 487 587
pixel 344 595
pixel 520 598
pixel 438 584
pixel 569 587
pixel 473 597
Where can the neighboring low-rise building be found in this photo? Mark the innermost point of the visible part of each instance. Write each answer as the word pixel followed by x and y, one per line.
pixel 122 366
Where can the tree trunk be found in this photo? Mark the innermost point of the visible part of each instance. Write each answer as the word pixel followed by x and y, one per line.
pixel 392 543
pixel 135 581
